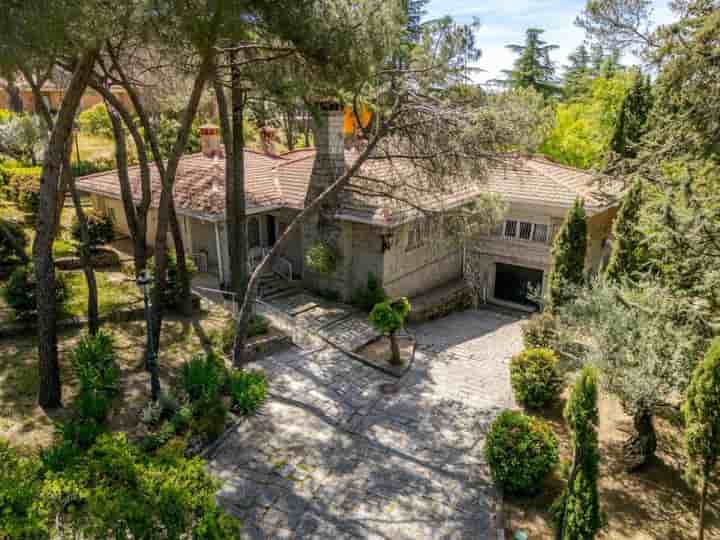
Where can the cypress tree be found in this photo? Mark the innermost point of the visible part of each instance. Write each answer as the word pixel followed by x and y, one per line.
pixel 577 512
pixel 568 256
pixel 632 122
pixel 702 421
pixel 627 257
pixel 577 74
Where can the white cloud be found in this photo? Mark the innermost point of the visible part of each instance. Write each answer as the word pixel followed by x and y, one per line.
pixel 505 21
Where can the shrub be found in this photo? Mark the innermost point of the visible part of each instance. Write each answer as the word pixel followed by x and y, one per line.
pixel 97 165
pixel 249 390
pixel 96 121
pixel 20 292
pixel 28 200
pixel 521 451
pixel 181 419
pixel 93 362
pixel 173 286
pixel 322 258
pixel 204 376
pixel 101 229
pixel 388 317
pixel 225 337
pixel 539 332
pixel 15 180
pixel 12 239
pixel 367 297
pixel 534 377
pixel 209 417
pixel 20 491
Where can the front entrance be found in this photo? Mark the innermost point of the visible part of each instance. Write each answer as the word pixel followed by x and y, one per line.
pixel 271 237
pixel 517 283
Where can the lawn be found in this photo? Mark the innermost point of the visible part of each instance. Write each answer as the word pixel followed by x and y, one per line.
pixel 26 425
pixel 654 503
pixel 93 147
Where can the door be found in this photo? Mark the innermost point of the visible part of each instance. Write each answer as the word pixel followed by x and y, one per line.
pixel 271 236
pixel 517 283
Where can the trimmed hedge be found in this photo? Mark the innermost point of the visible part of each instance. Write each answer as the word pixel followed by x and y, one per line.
pixel 534 377
pixel 521 451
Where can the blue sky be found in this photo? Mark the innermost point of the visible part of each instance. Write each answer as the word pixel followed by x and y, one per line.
pixel 505 21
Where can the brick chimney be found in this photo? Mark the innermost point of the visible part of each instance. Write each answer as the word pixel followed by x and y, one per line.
pixel 210 142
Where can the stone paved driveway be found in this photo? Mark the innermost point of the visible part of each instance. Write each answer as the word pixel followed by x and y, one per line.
pixel 334 456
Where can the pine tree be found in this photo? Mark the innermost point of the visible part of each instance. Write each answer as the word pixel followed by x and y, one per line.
pixel 568 256
pixel 577 512
pixel 533 68
pixel 702 421
pixel 628 256
pixel 632 124
pixel 577 73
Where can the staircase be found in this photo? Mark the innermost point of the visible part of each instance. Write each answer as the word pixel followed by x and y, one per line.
pixel 273 285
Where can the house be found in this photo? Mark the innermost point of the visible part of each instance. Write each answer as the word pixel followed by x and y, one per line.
pixel 52 95
pixel 388 239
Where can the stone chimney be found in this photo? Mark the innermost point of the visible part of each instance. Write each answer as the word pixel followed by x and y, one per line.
pixel 210 142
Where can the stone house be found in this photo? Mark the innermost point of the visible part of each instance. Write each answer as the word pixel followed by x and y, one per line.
pixel 372 235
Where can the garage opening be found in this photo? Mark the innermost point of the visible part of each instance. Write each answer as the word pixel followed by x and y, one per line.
pixel 517 283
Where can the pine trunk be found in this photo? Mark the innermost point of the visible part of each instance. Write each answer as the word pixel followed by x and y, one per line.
pixel 395 359
pixel 182 269
pixel 50 390
pixel 641 446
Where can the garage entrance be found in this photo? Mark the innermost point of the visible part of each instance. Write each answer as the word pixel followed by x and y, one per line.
pixel 515 283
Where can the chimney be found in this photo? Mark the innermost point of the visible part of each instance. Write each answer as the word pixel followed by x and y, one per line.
pixel 210 141
pixel 329 163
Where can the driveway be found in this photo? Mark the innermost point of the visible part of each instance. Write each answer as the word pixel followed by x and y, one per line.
pixel 341 450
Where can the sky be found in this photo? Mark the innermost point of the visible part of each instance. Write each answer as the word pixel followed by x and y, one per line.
pixel 504 22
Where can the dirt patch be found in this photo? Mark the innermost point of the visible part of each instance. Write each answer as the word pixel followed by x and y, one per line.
pixel 654 503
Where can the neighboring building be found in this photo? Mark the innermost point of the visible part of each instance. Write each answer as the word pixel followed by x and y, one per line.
pixel 373 235
pixel 53 95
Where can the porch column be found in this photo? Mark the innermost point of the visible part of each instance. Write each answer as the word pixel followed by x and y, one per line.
pixel 218 247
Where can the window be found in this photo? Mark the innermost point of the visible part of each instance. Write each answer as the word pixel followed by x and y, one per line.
pixel 523 230
pixel 510 228
pixel 418 234
pixel 540 234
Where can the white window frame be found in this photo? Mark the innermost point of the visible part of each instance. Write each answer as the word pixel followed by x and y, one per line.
pixel 518 226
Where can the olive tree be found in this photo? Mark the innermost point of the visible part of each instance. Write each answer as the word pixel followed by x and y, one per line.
pixel 389 317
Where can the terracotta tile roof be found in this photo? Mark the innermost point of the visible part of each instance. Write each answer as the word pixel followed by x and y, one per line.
pixel 272 181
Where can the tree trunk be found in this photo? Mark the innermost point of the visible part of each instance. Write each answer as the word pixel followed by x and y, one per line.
pixel 395 359
pixel 290 128
pixel 235 190
pixel 703 498
pixel 85 253
pixel 182 269
pixel 641 446
pixel 50 390
pixel 310 209
pixel 14 98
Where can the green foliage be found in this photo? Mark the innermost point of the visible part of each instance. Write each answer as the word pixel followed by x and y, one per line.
pixel 578 72
pixel 23 514
pixel 389 316
pixel 203 376
pixel 702 414
pixel 12 240
pixel 373 293
pixel 584 126
pixel 521 451
pixel 568 256
pixel 101 229
pixel 539 332
pixel 21 289
pixel 577 511
pixel 172 294
pixel 209 415
pixel 99 164
pixel 112 487
pixel 96 121
pixel 629 255
pixel 29 202
pixel 224 339
pixel 533 67
pixel 16 180
pixel 322 258
pixel 166 131
pixel 23 136
pixel 534 377
pixel 248 389
pixel 632 124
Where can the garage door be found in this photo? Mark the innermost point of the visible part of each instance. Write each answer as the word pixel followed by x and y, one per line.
pixel 515 283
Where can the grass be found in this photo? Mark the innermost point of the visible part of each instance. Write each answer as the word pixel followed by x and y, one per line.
pixel 115 292
pixel 28 426
pixel 93 147
pixel 656 502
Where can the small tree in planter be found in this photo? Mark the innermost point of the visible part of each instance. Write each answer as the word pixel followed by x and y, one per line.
pixel 389 317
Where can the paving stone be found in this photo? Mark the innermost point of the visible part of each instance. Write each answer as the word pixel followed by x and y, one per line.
pixel 350 334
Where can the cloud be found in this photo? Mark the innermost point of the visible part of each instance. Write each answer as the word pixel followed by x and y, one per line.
pixel 505 21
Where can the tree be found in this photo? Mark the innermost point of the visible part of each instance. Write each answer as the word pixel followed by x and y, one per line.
pixel 629 255
pixel 568 257
pixel 23 137
pixel 577 73
pixel 702 421
pixel 632 124
pixel 388 317
pixel 577 512
pixel 533 68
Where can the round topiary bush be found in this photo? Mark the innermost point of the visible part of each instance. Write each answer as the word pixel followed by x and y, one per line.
pixel 521 451
pixel 534 377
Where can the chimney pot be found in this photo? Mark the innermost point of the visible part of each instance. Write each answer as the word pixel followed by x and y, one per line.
pixel 210 140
